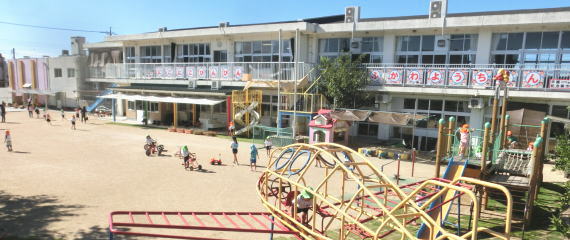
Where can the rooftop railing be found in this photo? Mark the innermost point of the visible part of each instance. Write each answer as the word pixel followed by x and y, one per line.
pixel 230 71
pixel 545 77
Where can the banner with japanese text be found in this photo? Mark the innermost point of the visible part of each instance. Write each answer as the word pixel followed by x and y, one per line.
pixel 225 72
pixel 435 77
pixel 481 78
pixel 179 72
pixel 458 77
pixel 414 77
pixel 238 72
pixel 375 76
pixel 393 76
pixel 202 72
pixel 191 72
pixel 533 79
pixel 213 72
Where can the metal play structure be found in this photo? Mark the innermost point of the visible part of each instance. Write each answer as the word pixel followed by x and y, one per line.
pixel 351 199
pixel 246 106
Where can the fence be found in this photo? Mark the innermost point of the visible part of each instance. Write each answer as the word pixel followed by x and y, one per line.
pixel 279 137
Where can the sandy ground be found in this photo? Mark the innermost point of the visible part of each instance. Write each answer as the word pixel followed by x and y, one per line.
pixel 63 183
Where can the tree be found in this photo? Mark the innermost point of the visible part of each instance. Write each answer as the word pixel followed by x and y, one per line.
pixel 342 81
pixel 563 153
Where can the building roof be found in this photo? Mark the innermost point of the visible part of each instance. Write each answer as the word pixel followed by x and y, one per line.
pixel 201 90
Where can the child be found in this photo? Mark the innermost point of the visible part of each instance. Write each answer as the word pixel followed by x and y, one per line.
pixel 268 145
pixel 234 147
pixel 185 155
pixel 530 146
pixel 62 114
pixel 73 119
pixel 511 140
pixel 304 202
pixel 48 118
pixel 464 139
pixel 8 140
pixel 37 112
pixel 253 159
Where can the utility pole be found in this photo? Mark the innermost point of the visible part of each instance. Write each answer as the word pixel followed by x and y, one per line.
pixel 110 32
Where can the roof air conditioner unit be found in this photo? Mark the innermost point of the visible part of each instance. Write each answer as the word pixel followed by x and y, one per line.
pixel 216 84
pixel 224 24
pixel 435 9
pixel 192 84
pixel 351 14
pixel 476 103
pixel 382 98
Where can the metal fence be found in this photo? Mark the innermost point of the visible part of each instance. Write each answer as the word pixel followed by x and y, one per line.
pixel 525 76
pixel 235 71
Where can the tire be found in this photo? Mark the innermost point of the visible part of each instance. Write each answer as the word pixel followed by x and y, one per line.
pixel 160 148
pixel 146 147
pixel 148 152
pixel 191 168
pixel 212 163
pixel 199 167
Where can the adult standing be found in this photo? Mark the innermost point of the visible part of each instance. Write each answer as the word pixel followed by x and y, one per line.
pixel 30 110
pixel 3 111
pixel 83 114
pixel 234 147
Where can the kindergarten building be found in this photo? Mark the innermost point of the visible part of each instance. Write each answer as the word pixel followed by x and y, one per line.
pixel 439 65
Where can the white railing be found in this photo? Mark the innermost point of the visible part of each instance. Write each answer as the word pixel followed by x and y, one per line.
pixel 235 71
pixel 551 77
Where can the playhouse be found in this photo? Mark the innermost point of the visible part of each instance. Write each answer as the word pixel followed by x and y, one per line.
pixel 323 128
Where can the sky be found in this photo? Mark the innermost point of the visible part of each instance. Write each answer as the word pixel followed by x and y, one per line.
pixel 132 16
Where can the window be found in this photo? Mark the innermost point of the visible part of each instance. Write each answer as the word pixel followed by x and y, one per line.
pixel 409 103
pixel 70 72
pixel 461 49
pixel 221 56
pixel 560 111
pixel 151 54
pixel 130 54
pixel 131 105
pixel 367 129
pixel 196 52
pixel 153 106
pixel 538 48
pixel 57 72
pixel 263 51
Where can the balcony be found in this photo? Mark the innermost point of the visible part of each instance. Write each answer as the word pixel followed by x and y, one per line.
pixel 541 81
pixel 229 73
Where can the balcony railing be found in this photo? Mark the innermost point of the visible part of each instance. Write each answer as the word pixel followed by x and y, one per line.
pixel 523 77
pixel 230 71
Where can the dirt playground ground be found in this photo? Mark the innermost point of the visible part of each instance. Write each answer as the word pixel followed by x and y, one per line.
pixel 62 183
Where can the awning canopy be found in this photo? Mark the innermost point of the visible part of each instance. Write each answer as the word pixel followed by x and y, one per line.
pixel 34 91
pixel 198 101
pixel 390 118
pixel 27 85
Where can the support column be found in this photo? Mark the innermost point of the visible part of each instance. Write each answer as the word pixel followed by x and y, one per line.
pixel 193 114
pixel 175 114
pixel 114 110
pixel 440 144
pixel 389 48
pixel 484 43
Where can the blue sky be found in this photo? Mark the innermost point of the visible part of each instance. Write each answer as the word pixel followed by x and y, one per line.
pixel 131 16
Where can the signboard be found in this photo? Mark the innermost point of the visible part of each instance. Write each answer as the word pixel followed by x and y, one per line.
pixel 168 72
pixel 191 72
pixel 393 76
pixel 481 78
pixel 559 84
pixel 179 72
pixel 375 77
pixel 158 72
pixel 435 77
pixel 213 72
pixel 533 79
pixel 225 72
pixel 414 77
pixel 458 77
pixel 202 72
pixel 238 72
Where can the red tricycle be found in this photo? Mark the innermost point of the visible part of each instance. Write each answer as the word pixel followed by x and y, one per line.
pixel 218 161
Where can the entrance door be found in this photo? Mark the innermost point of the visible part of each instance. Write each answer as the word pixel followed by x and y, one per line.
pixel 140 115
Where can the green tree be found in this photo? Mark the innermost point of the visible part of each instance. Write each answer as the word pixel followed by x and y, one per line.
pixel 563 153
pixel 342 81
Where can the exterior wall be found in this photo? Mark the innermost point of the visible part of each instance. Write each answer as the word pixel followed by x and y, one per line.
pixel 33 71
pixel 68 86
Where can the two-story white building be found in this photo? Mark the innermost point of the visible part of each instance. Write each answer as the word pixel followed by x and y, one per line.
pixel 439 65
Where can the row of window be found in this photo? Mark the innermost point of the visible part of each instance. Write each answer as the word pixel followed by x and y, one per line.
pixel 140 105
pixel 58 72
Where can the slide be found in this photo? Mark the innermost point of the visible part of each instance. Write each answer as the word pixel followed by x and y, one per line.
pixel 254 118
pixel 99 100
pixel 455 169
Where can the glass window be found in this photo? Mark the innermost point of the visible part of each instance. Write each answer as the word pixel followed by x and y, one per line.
pixel 455 59
pixel 402 59
pixel 560 111
pixel 456 42
pixel 256 47
pixel 409 103
pixel 131 105
pixel 439 59
pixel 550 40
pixel 70 72
pixel 500 41
pixel 246 47
pixel 427 59
pixel 423 104
pixel 436 105
pixel 413 59
pixel 344 45
pixel 414 43
pixel 57 72
pixel 515 41
pixel 533 40
pixel 511 59
pixel 451 106
pixel 428 43
pixel 565 44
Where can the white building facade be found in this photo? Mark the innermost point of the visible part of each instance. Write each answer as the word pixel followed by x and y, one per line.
pixel 417 64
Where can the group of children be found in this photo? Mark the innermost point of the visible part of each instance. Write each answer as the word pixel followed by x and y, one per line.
pixel 254 154
pixel 465 137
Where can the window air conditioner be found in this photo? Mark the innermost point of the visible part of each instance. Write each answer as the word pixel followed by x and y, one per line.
pixel 192 84
pixel 476 103
pixel 216 84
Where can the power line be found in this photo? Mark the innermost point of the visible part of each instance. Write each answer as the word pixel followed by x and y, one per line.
pixel 53 28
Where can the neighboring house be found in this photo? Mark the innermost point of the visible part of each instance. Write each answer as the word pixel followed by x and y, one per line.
pixel 5 94
pixel 440 66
